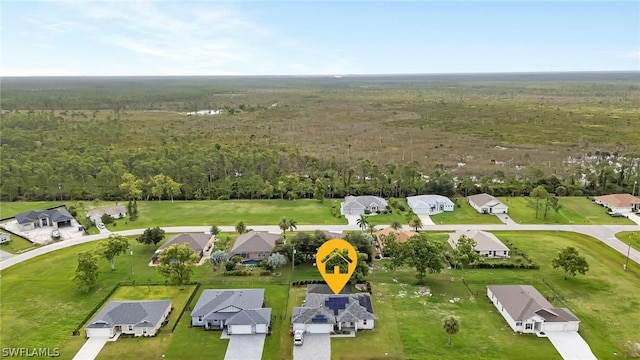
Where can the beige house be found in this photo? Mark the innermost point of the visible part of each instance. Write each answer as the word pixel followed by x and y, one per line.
pixel 137 318
pixel 116 212
pixel 254 246
pixel 487 244
pixel 401 236
pixel 619 203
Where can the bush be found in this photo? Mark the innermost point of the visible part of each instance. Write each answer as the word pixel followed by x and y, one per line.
pixel 401 207
pixel 506 265
pixel 223 197
pixel 378 212
pixel 230 265
pixel 367 212
pixel 239 272
pixel 265 273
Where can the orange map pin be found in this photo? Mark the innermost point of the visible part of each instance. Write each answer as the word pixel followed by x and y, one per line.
pixel 336 260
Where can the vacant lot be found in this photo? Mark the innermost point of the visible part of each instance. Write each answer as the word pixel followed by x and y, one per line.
pixel 574 210
pixel 629 237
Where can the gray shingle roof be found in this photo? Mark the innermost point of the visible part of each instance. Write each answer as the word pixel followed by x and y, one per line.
pixel 56 215
pixel 196 241
pixel 356 307
pixel 362 202
pixel 212 301
pixel 485 241
pixel 112 210
pixel 130 313
pixel 523 301
pixel 427 201
pixel 484 199
pixel 251 317
pixel 254 242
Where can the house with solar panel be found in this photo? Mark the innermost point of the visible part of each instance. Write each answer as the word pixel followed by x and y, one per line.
pixel 324 312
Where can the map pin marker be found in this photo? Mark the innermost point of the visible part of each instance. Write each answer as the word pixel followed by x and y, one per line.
pixel 336 260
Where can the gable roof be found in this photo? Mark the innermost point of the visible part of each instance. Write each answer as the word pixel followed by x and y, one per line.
pixel 56 215
pixel 484 200
pixel 337 304
pixel 485 241
pixel 112 210
pixel 331 235
pixel 211 301
pixel 255 242
pixel 196 241
pixel 362 202
pixel 251 317
pixel 428 201
pixel 619 200
pixel 523 302
pixel 137 313
pixel 306 315
pixel 325 289
pixel 401 235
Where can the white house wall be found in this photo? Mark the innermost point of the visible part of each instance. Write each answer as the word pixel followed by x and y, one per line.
pixel 240 329
pixel 100 332
pixel 261 329
pixel 196 322
pixel 314 328
pixel 368 326
pixel 621 210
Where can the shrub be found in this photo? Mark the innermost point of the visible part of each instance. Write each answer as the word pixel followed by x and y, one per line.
pixel 367 212
pixel 378 212
pixel 265 273
pixel 401 207
pixel 230 265
pixel 223 197
pixel 239 272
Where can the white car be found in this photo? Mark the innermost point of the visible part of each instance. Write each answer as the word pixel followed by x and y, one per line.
pixel 298 337
pixel 100 226
pixel 55 234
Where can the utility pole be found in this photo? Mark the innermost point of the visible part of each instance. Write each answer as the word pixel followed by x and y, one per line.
pixel 293 259
pixel 131 253
pixel 633 193
pixel 626 265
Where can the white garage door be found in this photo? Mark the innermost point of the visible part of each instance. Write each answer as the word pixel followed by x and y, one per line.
pixel 549 327
pixel 99 332
pixel 319 328
pixel 240 329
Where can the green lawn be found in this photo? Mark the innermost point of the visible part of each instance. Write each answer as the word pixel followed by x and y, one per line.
pixel 629 237
pixel 204 213
pixel 464 214
pixel 574 210
pixel 17 245
pixel 408 327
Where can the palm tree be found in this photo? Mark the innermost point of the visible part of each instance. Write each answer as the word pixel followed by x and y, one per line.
pixel 451 326
pixel 371 228
pixel 396 225
pixel 416 222
pixel 284 225
pixel 362 222
pixel 293 224
pixel 241 228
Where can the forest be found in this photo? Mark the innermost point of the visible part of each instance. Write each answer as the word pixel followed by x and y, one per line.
pixel 290 138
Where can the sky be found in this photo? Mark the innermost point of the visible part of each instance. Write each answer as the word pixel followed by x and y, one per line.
pixel 149 38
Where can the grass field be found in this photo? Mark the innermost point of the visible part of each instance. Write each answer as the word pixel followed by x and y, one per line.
pixel 204 213
pixel 574 210
pixel 17 245
pixel 629 237
pixel 464 214
pixel 408 324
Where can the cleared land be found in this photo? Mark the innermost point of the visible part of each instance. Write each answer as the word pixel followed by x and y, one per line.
pixel 574 210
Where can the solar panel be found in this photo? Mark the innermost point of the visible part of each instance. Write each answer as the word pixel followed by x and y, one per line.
pixel 319 319
pixel 336 304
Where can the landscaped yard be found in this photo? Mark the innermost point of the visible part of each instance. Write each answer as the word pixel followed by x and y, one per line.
pixel 409 321
pixel 574 210
pixel 464 214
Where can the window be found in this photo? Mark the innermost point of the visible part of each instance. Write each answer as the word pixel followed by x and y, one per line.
pixel 518 323
pixel 528 326
pixel 364 322
pixel 199 318
pixel 130 327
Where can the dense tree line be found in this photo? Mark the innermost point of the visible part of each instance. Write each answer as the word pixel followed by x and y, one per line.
pixel 34 167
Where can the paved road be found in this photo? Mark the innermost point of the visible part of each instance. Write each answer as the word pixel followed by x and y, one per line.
pixel 604 233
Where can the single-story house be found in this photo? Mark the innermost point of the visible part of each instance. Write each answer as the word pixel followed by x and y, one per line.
pixel 487 244
pixel 331 235
pixel 44 218
pixel 197 242
pixel 527 311
pixel 240 311
pixel 116 212
pixel 4 238
pixel 137 318
pixel 401 236
pixel 430 204
pixel 619 203
pixel 324 312
pixel 358 205
pixel 254 246
pixel 487 204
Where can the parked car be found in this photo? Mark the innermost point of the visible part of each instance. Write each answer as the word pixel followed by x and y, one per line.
pixel 55 234
pixel 298 337
pixel 100 226
pixel 615 214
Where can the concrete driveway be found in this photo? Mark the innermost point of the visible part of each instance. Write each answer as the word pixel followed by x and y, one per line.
pixel 426 220
pixel 314 347
pixel 90 349
pixel 571 345
pixel 245 347
pixel 633 217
